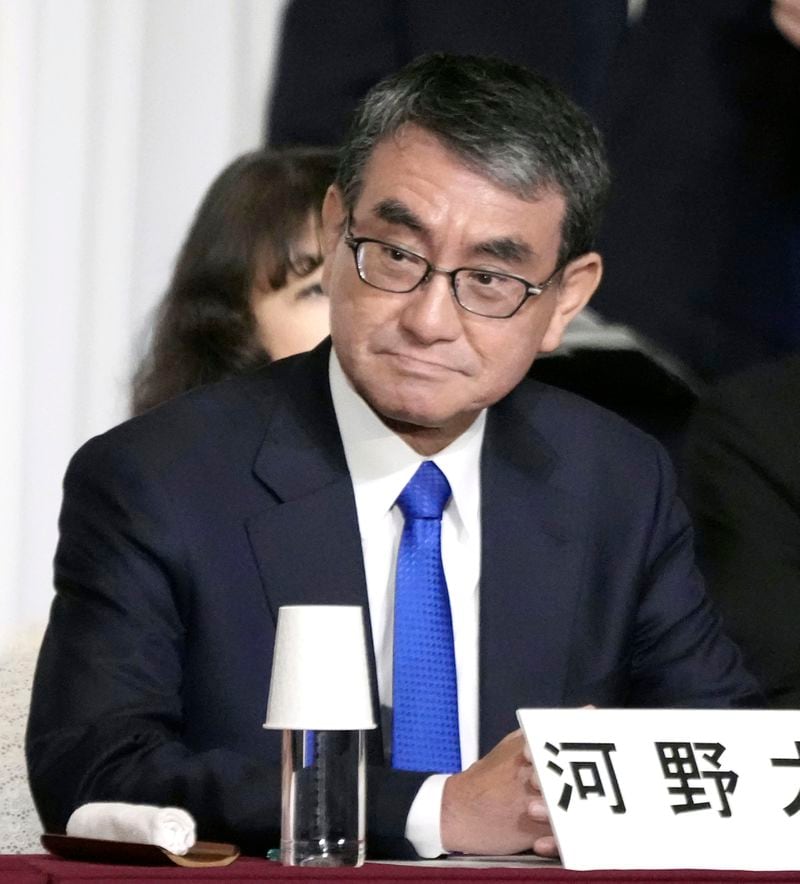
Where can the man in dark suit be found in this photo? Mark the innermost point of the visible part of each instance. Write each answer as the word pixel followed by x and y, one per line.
pixel 458 245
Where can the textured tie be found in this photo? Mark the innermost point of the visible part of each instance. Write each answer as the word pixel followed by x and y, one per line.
pixel 425 699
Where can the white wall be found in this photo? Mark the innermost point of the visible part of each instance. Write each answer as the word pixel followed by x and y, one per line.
pixel 115 115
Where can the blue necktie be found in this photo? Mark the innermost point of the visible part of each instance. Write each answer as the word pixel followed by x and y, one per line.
pixel 425 699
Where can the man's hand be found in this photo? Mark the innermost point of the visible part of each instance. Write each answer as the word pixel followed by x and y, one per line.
pixel 545 845
pixel 495 806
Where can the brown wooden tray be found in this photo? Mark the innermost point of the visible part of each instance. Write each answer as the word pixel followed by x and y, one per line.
pixel 204 853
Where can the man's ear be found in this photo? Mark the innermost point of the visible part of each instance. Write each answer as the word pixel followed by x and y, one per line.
pixel 334 215
pixel 579 281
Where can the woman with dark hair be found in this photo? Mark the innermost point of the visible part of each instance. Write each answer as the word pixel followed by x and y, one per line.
pixel 246 287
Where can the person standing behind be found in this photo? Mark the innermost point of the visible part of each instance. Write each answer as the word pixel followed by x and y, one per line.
pixel 246 287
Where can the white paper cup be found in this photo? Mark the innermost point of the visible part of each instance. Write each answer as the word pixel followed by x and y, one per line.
pixel 320 675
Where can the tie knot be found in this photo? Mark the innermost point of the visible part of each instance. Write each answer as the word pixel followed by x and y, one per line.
pixel 426 493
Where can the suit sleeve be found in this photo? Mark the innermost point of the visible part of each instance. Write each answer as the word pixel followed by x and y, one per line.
pixel 680 654
pixel 107 719
pixel 743 469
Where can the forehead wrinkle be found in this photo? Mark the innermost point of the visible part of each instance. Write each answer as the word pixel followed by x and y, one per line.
pixel 502 248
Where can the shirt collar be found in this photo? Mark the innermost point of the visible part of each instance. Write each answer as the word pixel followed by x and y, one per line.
pixel 381 463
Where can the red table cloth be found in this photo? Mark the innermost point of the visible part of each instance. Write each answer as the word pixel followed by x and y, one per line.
pixel 44 869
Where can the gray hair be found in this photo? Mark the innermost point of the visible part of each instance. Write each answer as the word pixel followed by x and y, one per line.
pixel 503 121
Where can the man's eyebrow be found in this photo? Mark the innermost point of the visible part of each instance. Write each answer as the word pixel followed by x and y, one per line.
pixel 394 212
pixel 505 248
pixel 502 248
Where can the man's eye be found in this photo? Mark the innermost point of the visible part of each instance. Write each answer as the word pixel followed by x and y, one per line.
pixel 396 255
pixel 480 278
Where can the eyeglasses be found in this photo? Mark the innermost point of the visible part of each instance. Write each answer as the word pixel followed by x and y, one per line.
pixel 483 292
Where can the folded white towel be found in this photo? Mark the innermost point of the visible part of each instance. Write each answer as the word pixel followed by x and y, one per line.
pixel 167 827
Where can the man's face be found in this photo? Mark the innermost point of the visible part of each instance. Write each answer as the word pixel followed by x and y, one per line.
pixel 418 358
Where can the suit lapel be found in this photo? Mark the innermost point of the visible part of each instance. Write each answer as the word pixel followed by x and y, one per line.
pixel 529 573
pixel 307 541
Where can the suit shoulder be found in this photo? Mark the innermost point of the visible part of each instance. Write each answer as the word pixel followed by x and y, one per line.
pixel 612 472
pixel 592 450
pixel 578 444
pixel 207 418
pixel 199 428
pixel 565 418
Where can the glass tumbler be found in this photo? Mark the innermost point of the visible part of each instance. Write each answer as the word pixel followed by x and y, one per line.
pixel 323 799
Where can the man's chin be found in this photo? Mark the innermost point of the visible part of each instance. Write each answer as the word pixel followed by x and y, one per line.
pixel 403 420
pixel 415 409
pixel 405 425
pixel 426 425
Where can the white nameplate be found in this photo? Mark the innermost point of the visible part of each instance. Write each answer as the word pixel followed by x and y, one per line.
pixel 670 788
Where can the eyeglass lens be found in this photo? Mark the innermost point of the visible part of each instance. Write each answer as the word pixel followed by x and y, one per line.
pixel 480 291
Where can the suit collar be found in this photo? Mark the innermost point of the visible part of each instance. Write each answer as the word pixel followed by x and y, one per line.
pixel 302 450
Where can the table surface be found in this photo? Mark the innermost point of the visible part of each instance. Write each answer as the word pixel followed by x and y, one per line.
pixel 45 869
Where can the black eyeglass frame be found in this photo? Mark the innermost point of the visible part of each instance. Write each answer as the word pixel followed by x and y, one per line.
pixel 355 242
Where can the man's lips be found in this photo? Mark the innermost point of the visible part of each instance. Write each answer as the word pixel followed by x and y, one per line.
pixel 420 364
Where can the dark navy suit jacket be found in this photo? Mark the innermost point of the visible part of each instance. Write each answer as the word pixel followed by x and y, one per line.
pixel 184 530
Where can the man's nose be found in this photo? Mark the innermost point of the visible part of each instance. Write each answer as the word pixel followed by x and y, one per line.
pixel 431 312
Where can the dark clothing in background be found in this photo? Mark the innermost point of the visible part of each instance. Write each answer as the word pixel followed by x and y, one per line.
pixel 744 494
pixel 699 105
pixel 330 54
pixel 702 235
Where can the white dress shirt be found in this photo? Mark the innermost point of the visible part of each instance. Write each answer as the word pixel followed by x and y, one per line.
pixel 380 465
